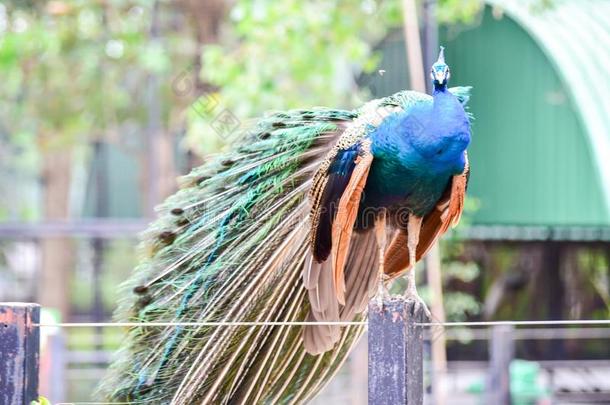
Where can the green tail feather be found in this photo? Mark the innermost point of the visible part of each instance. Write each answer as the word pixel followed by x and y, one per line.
pixel 229 247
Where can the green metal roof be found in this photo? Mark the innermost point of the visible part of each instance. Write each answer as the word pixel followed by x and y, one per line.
pixel 540 152
pixel 541 144
pixel 575 36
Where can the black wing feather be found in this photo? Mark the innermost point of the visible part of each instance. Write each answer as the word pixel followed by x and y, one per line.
pixel 339 174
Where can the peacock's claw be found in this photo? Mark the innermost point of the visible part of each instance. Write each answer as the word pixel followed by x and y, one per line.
pixel 383 294
pixel 419 306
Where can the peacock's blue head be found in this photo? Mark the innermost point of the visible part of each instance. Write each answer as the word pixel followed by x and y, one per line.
pixel 440 73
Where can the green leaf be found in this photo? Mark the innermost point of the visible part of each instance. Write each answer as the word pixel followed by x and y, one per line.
pixel 41 401
pixel 154 58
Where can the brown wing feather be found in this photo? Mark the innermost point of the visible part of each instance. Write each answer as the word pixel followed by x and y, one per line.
pixel 446 213
pixel 347 211
pixel 359 269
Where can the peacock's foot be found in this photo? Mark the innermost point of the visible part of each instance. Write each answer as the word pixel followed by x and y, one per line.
pixel 418 304
pixel 383 294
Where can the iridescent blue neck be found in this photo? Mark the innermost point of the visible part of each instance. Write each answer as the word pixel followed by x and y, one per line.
pixel 439 88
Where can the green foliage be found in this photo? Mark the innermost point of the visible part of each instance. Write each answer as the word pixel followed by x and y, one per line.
pixel 593 266
pixel 118 260
pixel 41 401
pixel 459 305
pixel 292 54
pixel 64 71
pixel 458 11
pixel 80 70
pixel 282 55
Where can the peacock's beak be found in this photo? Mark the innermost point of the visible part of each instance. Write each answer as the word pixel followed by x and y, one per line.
pixel 440 77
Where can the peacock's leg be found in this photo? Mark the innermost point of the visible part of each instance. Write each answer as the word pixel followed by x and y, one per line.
pixel 381 236
pixel 413 229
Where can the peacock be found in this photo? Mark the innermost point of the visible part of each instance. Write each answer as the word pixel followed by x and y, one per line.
pixel 312 214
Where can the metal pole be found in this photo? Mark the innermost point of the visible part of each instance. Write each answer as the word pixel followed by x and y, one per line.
pixel 102 210
pixel 395 353
pixel 413 45
pixel 430 46
pixel 19 353
pixel 501 353
pixel 153 130
pixel 57 367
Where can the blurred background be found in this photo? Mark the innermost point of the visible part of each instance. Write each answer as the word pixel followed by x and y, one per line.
pixel 104 103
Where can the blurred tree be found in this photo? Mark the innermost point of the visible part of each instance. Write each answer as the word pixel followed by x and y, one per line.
pixel 75 72
pixel 279 55
pixel 206 18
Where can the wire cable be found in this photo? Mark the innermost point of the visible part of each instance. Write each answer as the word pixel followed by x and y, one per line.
pixel 315 323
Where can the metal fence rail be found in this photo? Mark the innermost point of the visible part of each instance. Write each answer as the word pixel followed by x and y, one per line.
pixel 397 336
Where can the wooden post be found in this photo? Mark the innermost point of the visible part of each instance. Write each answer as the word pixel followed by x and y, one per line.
pixel 19 346
pixel 501 353
pixel 438 343
pixel 358 369
pixel 395 353
pixel 413 45
pixel 52 369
